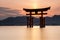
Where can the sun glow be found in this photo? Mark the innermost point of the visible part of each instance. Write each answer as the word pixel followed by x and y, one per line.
pixel 35 4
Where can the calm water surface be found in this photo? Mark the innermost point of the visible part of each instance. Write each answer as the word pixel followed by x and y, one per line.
pixel 23 33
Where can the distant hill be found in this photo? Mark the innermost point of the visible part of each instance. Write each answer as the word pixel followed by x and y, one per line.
pixel 21 20
pixel 55 20
pixel 14 21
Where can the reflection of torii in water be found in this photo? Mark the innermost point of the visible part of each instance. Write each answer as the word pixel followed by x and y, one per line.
pixel 42 19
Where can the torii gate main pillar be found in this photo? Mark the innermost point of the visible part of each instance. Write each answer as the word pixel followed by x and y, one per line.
pixel 30 19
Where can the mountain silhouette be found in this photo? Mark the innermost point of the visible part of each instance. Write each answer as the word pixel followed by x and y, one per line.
pixel 21 20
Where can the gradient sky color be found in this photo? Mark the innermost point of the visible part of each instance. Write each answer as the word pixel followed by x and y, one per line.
pixel 20 4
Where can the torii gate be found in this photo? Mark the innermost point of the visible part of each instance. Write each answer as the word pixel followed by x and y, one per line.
pixel 42 19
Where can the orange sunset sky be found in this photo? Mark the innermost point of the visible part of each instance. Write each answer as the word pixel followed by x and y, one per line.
pixel 18 5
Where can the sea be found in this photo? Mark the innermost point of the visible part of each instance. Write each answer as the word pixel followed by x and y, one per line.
pixel 24 33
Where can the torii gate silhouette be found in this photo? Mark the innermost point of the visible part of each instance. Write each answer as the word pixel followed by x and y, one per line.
pixel 30 19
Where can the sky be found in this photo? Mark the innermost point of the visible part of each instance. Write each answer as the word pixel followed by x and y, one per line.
pixel 13 8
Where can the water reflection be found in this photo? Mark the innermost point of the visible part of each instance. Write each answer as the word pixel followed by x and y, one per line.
pixel 23 33
pixel 34 33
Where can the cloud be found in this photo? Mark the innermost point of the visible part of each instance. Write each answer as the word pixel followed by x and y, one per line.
pixel 7 12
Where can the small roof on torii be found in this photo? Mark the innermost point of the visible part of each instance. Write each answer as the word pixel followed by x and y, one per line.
pixel 38 9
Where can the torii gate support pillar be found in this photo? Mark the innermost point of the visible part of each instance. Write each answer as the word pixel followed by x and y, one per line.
pixel 42 22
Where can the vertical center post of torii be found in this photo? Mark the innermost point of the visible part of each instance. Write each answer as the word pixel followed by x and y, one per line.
pixel 30 19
